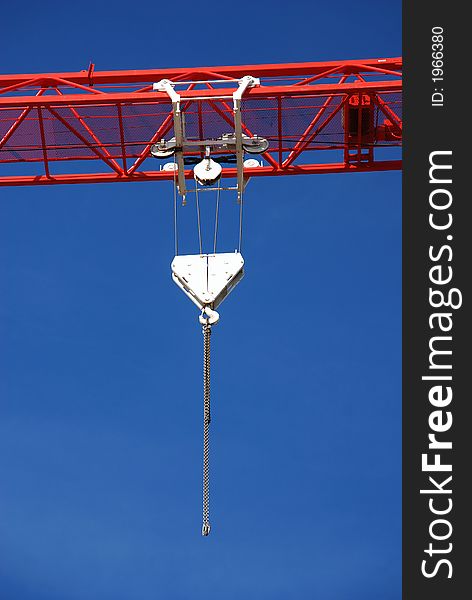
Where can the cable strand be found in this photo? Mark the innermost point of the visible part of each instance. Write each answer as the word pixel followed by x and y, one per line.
pixel 217 210
pixel 240 241
pixel 176 238
pixel 197 203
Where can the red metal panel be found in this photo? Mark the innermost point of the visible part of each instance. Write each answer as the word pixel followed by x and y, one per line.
pixel 114 117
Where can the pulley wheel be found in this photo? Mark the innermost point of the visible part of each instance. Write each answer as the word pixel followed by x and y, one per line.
pixel 207 172
pixel 259 146
pixel 160 152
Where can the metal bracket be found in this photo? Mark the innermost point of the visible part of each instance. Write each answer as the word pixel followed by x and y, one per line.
pixel 246 82
pixel 226 142
pixel 167 86
pixel 236 142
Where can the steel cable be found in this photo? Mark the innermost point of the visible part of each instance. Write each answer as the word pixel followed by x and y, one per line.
pixel 216 215
pixel 199 226
pixel 176 229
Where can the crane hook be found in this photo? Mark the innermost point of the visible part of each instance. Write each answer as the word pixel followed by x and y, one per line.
pixel 211 318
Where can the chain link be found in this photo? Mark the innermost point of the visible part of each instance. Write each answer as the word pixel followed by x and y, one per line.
pixel 206 429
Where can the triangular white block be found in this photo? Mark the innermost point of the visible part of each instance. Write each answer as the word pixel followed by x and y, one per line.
pixel 208 278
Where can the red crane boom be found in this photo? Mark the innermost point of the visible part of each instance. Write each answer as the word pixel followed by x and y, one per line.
pixel 98 126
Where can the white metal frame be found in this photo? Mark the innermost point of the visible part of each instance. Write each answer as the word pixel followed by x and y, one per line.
pixel 167 86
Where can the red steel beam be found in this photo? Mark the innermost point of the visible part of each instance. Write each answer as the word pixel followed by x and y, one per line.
pixel 21 180
pixel 43 140
pixel 112 132
pixel 228 117
pixel 163 129
pixel 308 137
pixel 256 92
pixel 302 141
pixel 94 137
pixel 113 164
pixel 266 70
pixel 18 122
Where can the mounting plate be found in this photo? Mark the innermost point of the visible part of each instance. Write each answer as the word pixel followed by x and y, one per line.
pixel 208 278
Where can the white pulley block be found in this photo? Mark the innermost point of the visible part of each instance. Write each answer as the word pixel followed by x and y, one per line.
pixel 251 163
pixel 208 278
pixel 170 166
pixel 207 171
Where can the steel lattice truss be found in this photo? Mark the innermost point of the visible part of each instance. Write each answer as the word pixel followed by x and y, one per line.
pixel 96 127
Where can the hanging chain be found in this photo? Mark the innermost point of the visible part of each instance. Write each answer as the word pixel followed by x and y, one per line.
pixel 206 429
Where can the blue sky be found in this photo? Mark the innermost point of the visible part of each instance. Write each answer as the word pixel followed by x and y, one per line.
pixel 100 353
